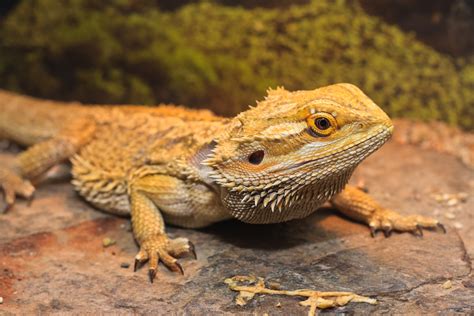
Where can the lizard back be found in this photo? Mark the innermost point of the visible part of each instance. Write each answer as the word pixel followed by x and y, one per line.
pixel 132 141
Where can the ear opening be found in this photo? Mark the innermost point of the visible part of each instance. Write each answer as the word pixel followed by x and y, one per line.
pixel 205 152
pixel 256 157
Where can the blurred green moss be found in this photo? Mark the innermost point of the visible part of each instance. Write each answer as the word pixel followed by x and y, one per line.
pixel 224 58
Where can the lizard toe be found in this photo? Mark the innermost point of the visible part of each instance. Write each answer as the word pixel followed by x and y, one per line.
pixel 151 274
pixel 180 246
pixel 388 221
pixel 160 248
pixel 12 185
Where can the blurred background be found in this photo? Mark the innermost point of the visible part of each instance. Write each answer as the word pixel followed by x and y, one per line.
pixel 414 58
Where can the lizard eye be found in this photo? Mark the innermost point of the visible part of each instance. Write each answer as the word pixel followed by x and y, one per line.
pixel 256 157
pixel 321 124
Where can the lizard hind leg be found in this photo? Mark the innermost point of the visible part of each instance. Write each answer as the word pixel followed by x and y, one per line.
pixel 39 158
pixel 358 205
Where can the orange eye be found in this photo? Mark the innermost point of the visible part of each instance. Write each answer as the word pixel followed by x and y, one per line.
pixel 321 124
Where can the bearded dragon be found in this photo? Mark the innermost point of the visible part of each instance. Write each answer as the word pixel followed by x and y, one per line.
pixel 280 160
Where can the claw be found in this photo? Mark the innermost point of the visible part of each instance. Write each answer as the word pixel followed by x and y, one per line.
pixel 387 231
pixel 30 199
pixel 192 249
pixel 152 274
pixel 363 189
pixel 135 265
pixel 441 226
pixel 373 231
pixel 5 207
pixel 139 259
pixel 418 231
pixel 8 200
pixel 179 267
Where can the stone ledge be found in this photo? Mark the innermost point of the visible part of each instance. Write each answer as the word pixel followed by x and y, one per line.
pixel 52 258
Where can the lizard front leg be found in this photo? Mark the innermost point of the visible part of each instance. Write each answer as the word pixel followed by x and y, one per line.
pixel 39 158
pixel 149 228
pixel 358 205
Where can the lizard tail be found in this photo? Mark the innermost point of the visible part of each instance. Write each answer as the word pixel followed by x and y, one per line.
pixel 27 121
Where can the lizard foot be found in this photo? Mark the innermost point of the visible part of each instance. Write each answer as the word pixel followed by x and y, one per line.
pixel 387 220
pixel 13 185
pixel 161 248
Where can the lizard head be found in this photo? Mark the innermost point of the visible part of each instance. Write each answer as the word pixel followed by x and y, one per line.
pixel 292 152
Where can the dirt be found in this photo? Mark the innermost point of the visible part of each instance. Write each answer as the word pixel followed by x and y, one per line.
pixel 53 258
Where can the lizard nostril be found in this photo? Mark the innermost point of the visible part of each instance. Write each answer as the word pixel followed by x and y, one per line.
pixel 256 157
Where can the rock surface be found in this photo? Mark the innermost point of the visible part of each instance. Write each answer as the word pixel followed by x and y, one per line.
pixel 52 257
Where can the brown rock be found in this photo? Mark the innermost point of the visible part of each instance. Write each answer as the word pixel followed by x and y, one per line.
pixel 52 259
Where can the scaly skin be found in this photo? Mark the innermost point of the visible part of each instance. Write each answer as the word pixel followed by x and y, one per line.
pixel 275 162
